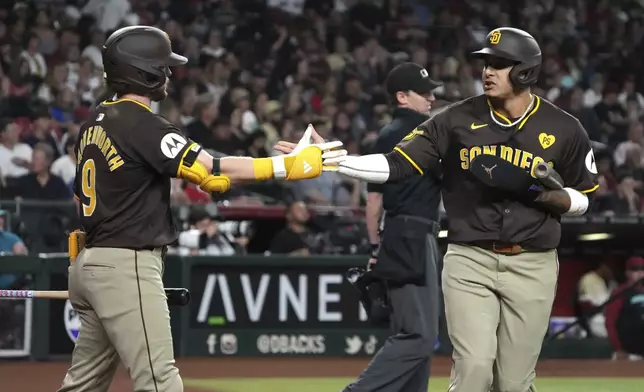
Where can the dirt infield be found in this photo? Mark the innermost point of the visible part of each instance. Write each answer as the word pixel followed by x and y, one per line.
pixel 46 376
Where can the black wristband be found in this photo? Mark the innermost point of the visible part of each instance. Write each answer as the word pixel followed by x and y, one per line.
pixel 374 250
pixel 216 166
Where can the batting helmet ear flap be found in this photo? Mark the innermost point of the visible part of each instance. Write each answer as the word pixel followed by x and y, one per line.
pixel 524 75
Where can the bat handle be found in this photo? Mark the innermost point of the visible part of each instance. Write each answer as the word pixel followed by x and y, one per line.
pixel 541 170
pixel 16 294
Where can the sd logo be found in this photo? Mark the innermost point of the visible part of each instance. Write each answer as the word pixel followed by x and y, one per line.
pixel 72 321
pixel 495 37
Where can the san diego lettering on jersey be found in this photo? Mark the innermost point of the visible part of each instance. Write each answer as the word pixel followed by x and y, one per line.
pixel 523 159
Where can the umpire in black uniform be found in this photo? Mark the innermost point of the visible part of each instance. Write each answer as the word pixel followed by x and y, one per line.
pixel 404 249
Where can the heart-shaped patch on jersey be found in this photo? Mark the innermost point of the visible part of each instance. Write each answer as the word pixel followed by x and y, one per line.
pixel 546 140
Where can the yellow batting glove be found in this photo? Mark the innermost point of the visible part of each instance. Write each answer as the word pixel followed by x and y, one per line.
pixel 307 163
pixel 304 162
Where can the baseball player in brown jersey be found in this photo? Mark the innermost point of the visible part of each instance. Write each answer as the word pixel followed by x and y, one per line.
pixel 126 156
pixel 500 269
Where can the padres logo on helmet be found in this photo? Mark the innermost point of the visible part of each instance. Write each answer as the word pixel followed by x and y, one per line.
pixel 495 37
pixel 517 46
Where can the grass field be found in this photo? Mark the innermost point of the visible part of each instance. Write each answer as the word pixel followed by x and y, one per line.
pixel 437 384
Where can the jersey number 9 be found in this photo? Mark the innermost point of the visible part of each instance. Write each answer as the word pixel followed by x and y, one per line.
pixel 88 183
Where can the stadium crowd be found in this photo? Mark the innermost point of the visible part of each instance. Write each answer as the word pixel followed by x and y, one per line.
pixel 261 70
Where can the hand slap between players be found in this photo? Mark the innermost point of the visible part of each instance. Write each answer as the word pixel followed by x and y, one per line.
pixel 311 149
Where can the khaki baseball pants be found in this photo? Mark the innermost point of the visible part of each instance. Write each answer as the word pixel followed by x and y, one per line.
pixel 497 310
pixel 119 296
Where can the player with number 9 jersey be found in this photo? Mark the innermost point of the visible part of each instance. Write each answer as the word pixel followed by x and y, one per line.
pixel 126 156
pixel 126 159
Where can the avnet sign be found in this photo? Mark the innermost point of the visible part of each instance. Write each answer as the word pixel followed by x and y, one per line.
pixel 273 297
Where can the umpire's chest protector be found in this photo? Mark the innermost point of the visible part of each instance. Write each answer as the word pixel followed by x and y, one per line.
pixel 541 136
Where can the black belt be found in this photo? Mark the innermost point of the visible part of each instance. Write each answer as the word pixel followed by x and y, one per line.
pixel 504 248
pixel 435 227
pixel 162 248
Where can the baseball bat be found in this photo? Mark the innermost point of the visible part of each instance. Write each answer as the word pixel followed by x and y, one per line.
pixel 548 176
pixel 34 294
pixel 176 296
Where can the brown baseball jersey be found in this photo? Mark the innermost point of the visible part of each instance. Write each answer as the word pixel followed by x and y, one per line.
pixel 126 156
pixel 475 212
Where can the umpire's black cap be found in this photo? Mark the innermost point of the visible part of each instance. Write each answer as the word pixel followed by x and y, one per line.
pixel 410 77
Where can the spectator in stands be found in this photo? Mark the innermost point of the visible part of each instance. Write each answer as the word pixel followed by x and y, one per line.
pixel 633 163
pixel 205 238
pixel 625 201
pixel 9 242
pixel 55 81
pixel 65 166
pixel 606 169
pixel 256 144
pixel 298 62
pixel 332 189
pixel 594 288
pixel 240 98
pixel 201 128
pixel 635 141
pixel 587 116
pixel 612 115
pixel 625 315
pixel 108 18
pixel 214 47
pixel 33 58
pixel 272 119
pixel 41 184
pixel 15 157
pixel 629 93
pixel 294 239
pixel 42 130
pixel 227 137
pixel 593 95
pixel 93 50
pixel 64 105
pixel 607 184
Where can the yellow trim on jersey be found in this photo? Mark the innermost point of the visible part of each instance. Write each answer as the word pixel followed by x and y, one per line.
pixel 76 197
pixel 537 104
pixel 128 100
pixel 410 160
pixel 593 189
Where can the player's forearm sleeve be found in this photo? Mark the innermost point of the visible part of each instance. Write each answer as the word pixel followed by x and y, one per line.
pixel 370 168
pixel 377 168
